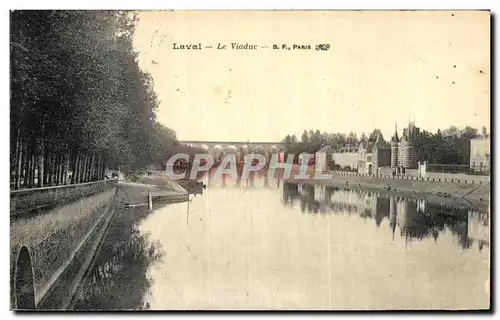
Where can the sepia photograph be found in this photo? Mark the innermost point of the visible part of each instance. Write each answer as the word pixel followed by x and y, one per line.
pixel 250 160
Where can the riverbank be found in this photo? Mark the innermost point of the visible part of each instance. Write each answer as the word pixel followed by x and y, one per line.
pixel 116 278
pixel 472 196
pixel 160 187
pixel 121 246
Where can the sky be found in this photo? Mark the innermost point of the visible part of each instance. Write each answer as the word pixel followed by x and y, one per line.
pixel 382 68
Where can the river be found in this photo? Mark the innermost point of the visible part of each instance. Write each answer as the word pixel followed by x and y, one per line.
pixel 264 244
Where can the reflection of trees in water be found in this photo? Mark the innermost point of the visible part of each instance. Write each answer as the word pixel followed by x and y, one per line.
pixel 266 182
pixel 382 210
pixel 307 202
pixel 365 214
pixel 290 193
pixel 251 177
pixel 118 278
pixel 437 219
pixel 416 219
pixel 192 186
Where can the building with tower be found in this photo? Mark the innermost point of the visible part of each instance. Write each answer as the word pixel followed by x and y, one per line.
pixel 403 150
pixel 395 149
pixel 372 156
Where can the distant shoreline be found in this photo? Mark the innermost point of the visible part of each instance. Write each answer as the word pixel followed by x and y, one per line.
pixel 470 196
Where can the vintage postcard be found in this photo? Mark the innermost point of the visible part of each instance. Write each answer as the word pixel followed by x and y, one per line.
pixel 250 160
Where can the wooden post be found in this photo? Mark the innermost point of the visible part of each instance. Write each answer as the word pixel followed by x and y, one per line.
pixel 150 201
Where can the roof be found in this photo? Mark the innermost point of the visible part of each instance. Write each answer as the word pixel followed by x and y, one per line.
pixel 395 137
pixel 347 148
pixel 404 137
pixel 326 149
pixel 367 145
pixel 487 137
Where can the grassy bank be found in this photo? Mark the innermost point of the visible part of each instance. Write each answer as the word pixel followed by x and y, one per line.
pixel 161 188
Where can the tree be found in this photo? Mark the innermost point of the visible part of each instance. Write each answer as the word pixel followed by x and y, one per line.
pixel 352 138
pixel 364 137
pixel 451 131
pixel 287 141
pixel 311 135
pixel 484 131
pixel 79 101
pixel 305 137
pixel 324 138
pixel 468 133
pixel 376 134
pixel 341 139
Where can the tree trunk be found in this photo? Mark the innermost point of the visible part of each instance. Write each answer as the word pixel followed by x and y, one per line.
pixel 52 172
pixel 74 175
pixel 99 168
pixel 29 164
pixel 25 166
pixel 17 177
pixel 81 161
pixel 56 169
pixel 64 171
pixel 14 145
pixel 55 164
pixel 91 168
pixel 61 169
pixel 40 166
pixel 103 173
pixel 33 174
pixel 82 170
pixel 50 169
pixel 86 171
pixel 66 168
pixel 46 168
pixel 75 169
pixel 96 169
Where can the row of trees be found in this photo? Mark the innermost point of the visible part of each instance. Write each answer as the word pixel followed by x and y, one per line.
pixel 449 146
pixel 79 101
pixel 335 140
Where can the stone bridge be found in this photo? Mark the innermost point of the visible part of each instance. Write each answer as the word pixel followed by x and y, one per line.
pixel 235 146
pixel 54 233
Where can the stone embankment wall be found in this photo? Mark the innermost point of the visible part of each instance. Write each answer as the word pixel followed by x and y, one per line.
pixel 54 225
pixel 471 193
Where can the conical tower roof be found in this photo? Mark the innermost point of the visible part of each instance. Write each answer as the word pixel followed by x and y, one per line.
pixel 395 137
pixel 379 142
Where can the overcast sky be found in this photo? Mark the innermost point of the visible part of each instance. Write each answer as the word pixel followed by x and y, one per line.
pixel 382 68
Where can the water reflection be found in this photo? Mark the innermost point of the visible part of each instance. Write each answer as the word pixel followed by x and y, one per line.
pixel 262 243
pixel 415 219
pixel 118 278
pixel 300 246
pixel 225 180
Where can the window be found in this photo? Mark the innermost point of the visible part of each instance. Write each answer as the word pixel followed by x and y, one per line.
pixel 369 159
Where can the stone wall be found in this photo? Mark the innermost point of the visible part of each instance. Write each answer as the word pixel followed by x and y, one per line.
pixel 53 235
pixel 346 159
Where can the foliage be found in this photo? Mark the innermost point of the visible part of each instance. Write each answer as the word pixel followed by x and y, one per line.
pixel 79 101
pixel 449 146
